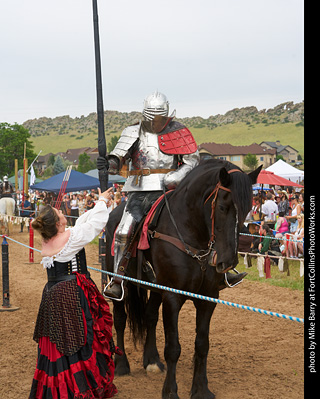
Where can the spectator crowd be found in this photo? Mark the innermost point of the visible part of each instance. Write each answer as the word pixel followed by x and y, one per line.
pixel 72 205
pixel 279 218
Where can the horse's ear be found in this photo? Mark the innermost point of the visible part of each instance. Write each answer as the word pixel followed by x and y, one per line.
pixel 224 177
pixel 254 175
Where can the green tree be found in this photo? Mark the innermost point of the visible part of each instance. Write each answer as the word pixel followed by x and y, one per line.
pixel 51 160
pixel 85 163
pixel 58 166
pixel 251 161
pixel 12 141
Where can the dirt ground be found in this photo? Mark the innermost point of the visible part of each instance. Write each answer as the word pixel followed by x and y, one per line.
pixel 251 355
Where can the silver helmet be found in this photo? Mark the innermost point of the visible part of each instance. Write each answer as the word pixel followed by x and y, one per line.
pixel 155 104
pixel 5 178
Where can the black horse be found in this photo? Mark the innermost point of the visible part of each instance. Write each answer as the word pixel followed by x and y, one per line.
pixel 204 215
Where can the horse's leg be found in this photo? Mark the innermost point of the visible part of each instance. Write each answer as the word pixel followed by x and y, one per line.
pixel 200 382
pixel 122 366
pixel 151 359
pixel 171 306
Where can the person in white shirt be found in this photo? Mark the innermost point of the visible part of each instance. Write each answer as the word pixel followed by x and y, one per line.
pixel 74 323
pixel 270 208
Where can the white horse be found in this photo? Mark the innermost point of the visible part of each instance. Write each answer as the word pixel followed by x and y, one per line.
pixel 7 208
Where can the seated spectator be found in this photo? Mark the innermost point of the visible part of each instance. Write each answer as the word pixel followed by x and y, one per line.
pixel 282 226
pixel 264 246
pixel 295 246
pixel 283 206
pixel 256 211
pixel 277 200
pixel 269 208
pixel 296 210
pixel 301 201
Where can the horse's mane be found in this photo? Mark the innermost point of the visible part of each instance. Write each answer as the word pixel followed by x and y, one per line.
pixel 206 174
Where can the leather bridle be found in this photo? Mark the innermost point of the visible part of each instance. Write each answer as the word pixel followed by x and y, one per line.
pixel 214 193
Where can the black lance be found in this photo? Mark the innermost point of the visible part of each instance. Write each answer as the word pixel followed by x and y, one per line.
pixel 102 148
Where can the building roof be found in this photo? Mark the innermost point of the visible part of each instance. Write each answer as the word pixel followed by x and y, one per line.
pixel 276 144
pixel 71 155
pixel 228 149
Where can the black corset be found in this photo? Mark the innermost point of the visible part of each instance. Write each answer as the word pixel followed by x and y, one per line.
pixel 62 271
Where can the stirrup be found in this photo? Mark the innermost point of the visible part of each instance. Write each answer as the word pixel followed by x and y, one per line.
pixel 105 294
pixel 227 282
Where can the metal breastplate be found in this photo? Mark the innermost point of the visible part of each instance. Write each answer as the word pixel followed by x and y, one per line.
pixel 146 154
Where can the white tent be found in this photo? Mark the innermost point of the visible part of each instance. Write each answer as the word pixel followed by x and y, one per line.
pixel 287 171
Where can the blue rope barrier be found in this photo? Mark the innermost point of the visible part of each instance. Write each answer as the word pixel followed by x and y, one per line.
pixel 202 297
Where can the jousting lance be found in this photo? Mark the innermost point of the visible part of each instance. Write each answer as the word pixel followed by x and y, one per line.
pixel 102 148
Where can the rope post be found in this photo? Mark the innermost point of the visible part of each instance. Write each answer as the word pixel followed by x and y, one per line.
pixel 31 235
pixel 5 278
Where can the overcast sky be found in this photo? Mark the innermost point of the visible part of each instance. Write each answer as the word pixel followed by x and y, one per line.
pixel 207 56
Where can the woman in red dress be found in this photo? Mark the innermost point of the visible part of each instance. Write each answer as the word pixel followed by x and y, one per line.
pixel 74 323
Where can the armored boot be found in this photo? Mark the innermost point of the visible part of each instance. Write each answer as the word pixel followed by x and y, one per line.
pixel 231 279
pixel 115 290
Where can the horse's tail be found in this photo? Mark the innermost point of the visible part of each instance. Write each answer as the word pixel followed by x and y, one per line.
pixel 7 206
pixel 136 302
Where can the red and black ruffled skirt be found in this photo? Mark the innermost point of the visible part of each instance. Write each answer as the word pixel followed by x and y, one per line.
pixel 74 334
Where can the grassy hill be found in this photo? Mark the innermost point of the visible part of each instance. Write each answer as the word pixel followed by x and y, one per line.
pixel 240 126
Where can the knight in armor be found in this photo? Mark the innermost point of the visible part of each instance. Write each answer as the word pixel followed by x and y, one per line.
pixel 157 163
pixel 6 189
pixel 161 152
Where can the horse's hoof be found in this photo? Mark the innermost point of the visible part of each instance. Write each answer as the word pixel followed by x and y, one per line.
pixel 120 371
pixel 206 394
pixel 122 366
pixel 155 368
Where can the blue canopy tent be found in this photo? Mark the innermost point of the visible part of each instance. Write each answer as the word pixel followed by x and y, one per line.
pixel 77 182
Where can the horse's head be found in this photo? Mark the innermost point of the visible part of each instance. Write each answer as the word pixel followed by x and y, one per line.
pixel 228 204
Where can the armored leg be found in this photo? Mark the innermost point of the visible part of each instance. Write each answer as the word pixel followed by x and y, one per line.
pixel 122 237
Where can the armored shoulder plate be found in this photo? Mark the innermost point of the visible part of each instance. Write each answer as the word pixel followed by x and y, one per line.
pixel 177 139
pixel 128 137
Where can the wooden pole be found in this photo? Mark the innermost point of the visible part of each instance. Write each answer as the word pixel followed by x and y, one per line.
pixel 103 173
pixel 24 173
pixel 16 182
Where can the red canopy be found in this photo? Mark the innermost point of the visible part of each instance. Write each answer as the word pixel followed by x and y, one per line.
pixel 266 177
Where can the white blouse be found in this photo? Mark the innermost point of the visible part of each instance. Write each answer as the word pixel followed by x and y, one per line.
pixel 86 228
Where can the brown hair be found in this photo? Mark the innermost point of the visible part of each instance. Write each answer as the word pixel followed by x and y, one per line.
pixel 46 223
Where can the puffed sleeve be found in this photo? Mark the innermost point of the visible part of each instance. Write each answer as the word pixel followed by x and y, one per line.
pixel 90 224
pixel 87 227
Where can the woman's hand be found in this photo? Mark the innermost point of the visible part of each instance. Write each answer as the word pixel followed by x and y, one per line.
pixel 106 194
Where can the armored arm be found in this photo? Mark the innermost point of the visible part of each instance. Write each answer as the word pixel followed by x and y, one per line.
pixel 190 161
pixel 121 151
pixel 115 160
